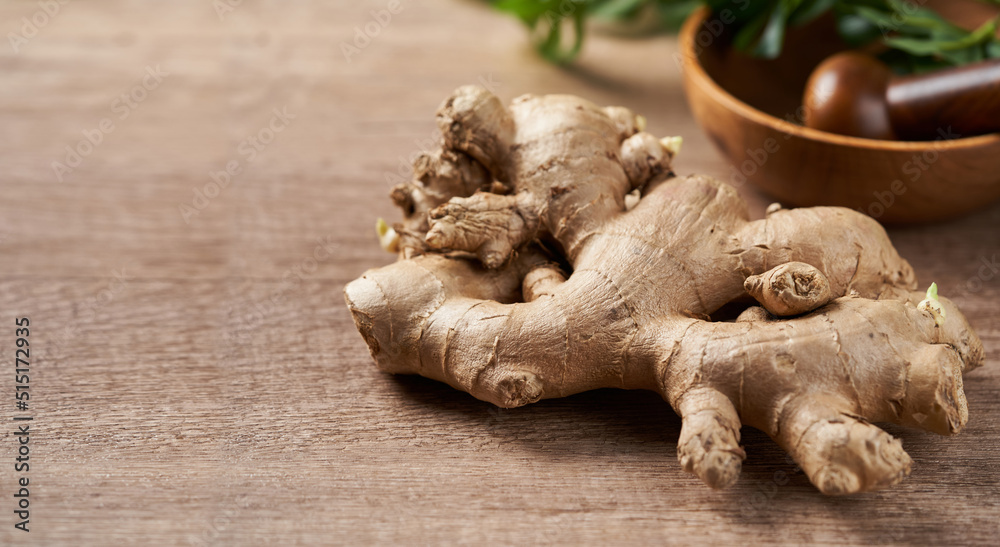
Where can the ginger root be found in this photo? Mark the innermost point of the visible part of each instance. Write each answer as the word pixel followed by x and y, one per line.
pixel 523 276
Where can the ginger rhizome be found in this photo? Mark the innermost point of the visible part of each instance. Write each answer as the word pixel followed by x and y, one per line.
pixel 523 276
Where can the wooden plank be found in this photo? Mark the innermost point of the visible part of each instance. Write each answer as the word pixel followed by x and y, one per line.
pixel 184 393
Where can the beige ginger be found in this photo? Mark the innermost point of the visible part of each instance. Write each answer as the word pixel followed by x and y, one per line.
pixel 524 276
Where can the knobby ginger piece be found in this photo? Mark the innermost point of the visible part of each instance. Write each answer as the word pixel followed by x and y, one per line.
pixel 524 275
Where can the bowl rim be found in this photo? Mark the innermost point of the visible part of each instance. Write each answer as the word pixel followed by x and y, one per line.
pixel 691 61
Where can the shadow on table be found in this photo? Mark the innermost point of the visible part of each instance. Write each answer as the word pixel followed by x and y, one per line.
pixel 602 428
pixel 586 421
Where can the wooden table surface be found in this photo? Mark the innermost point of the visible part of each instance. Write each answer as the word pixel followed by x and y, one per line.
pixel 199 381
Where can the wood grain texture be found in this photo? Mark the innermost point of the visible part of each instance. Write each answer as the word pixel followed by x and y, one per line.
pixel 209 396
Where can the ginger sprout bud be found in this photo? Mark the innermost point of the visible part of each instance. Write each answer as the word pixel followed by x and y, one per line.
pixel 932 305
pixel 388 239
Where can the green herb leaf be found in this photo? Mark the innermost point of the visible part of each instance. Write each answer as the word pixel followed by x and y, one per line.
pixel 618 9
pixel 673 14
pixel 809 11
pixel 918 38
pixel 773 37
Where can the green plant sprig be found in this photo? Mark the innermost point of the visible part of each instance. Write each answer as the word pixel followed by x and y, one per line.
pixel 915 38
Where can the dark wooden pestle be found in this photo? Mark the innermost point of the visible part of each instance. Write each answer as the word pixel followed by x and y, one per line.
pixel 856 95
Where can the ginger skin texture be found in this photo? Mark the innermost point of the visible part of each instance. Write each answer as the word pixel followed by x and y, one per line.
pixel 523 276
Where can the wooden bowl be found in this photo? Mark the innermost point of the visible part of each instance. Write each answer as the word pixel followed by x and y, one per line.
pixel 751 109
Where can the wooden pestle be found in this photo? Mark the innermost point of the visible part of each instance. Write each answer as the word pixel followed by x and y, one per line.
pixel 856 95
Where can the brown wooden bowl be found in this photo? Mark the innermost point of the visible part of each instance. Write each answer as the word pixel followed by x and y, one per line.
pixel 751 109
